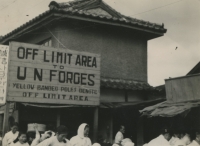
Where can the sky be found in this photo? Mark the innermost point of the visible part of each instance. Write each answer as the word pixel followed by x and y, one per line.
pixel 171 55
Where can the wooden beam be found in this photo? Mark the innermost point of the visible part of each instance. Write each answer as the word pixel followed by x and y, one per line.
pixel 95 126
pixel 5 119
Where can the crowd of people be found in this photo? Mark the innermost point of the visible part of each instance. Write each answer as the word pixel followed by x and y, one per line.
pixel 59 138
pixel 48 138
pixel 176 138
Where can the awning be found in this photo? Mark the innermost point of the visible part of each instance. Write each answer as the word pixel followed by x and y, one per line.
pixel 102 104
pixel 167 109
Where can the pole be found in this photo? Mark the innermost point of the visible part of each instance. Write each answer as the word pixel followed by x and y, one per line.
pixel 58 118
pixel 140 131
pixel 5 119
pixel 95 126
pixel 111 127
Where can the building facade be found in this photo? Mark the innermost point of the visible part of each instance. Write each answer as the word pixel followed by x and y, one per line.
pixel 93 26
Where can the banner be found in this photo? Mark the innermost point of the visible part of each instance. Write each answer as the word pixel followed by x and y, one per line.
pixel 39 74
pixel 4 50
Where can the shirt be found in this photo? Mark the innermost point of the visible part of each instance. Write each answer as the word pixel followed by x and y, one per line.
pixel 194 143
pixel 53 141
pixel 9 138
pixel 19 144
pixel 173 140
pixel 36 141
pixel 159 141
pixel 78 141
pixel 119 137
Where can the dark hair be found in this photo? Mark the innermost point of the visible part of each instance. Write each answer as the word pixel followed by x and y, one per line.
pixel 191 135
pixel 50 133
pixel 165 130
pixel 62 130
pixel 87 126
pixel 15 124
pixel 20 133
pixel 121 126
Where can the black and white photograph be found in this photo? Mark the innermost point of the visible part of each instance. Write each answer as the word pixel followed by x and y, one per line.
pixel 99 72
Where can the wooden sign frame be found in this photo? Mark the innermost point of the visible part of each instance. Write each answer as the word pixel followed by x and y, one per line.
pixel 40 74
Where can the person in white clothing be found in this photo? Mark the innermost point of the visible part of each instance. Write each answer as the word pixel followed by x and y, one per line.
pixel 96 144
pixel 119 136
pixel 81 139
pixel 186 140
pixel 196 141
pixel 175 137
pixel 161 140
pixel 21 140
pixel 11 135
pixel 41 138
pixel 59 139
pixel 127 142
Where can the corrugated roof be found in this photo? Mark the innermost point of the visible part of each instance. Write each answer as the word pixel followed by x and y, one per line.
pixel 79 8
pixel 167 109
pixel 125 84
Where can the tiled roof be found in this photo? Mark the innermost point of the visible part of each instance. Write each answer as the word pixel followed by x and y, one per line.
pixel 125 84
pixel 79 8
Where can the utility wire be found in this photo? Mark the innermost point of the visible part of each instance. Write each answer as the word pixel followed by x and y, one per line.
pixel 157 8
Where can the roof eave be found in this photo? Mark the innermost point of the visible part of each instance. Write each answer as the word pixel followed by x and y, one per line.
pixel 31 24
pixel 109 23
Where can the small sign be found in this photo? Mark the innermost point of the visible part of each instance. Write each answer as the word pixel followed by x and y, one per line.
pixel 4 51
pixel 40 74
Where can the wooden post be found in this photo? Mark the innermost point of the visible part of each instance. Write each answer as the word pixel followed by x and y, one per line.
pixel 95 126
pixel 140 131
pixel 5 119
pixel 58 118
pixel 111 127
pixel 1 121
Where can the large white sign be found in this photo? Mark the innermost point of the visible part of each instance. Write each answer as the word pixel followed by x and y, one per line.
pixel 42 74
pixel 4 50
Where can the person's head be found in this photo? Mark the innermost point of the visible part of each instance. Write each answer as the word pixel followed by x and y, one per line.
pixel 86 131
pixel 22 138
pixel 187 138
pixel 83 130
pixel 176 133
pixel 14 127
pixel 166 133
pixel 46 135
pixel 122 129
pixel 62 132
pixel 197 134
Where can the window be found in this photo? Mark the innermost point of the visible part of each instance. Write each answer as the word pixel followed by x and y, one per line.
pixel 47 42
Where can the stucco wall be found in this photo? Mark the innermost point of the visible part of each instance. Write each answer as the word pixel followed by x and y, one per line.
pixel 123 52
